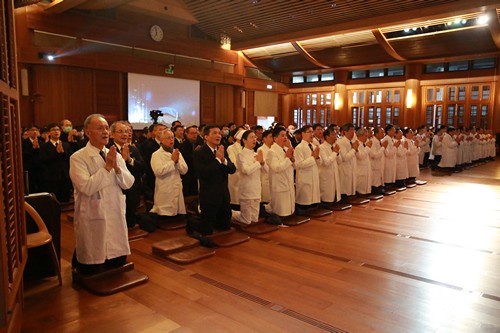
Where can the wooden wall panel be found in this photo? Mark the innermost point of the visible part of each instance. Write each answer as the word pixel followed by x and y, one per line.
pixel 207 103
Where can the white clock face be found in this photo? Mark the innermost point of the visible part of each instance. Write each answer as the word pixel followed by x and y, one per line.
pixel 156 33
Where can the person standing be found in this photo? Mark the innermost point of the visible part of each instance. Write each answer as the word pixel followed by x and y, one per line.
pixel 347 170
pixel 54 155
pixel 329 180
pixel 267 139
pixel 120 131
pixel 389 156
pixel 99 176
pixel 363 163
pixel 307 160
pixel 187 148
pixel 280 162
pixel 377 152
pixel 213 167
pixel 168 165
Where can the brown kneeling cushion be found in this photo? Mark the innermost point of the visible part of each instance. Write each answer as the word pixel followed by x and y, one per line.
pixel 258 228
pixel 294 220
pixel 338 206
pixel 191 255
pixel 111 281
pixel 358 200
pixel 172 245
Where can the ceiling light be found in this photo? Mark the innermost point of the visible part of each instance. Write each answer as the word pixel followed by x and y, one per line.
pixel 464 21
pixel 457 21
pixel 414 29
pixel 407 30
pixel 483 19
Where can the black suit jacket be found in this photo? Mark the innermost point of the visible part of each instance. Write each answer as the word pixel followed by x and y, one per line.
pixel 147 149
pixel 190 179
pixel 33 165
pixel 212 176
pixel 56 164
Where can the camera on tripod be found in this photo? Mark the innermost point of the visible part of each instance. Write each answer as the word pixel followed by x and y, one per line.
pixel 155 114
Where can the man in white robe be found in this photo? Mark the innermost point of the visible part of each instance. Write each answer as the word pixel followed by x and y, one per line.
pixel 168 165
pixel 363 163
pixel 449 149
pixel 401 159
pixel 233 180
pixel 280 162
pixel 377 152
pixel 267 140
pixel 307 160
pixel 412 155
pixel 99 175
pixel 347 169
pixel 329 179
pixel 437 144
pixel 389 156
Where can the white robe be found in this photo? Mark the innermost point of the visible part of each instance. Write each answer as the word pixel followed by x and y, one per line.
pixel 449 152
pixel 249 169
pixel 424 144
pixel 436 146
pixel 280 182
pixel 329 179
pixel 377 153
pixel 168 198
pixel 401 162
pixel 99 220
pixel 264 176
pixel 347 170
pixel 307 175
pixel 363 170
pixel 234 179
pixel 389 161
pixel 412 156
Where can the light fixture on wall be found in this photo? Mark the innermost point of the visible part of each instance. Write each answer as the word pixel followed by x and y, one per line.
pixel 225 41
pixel 409 99
pixel 337 101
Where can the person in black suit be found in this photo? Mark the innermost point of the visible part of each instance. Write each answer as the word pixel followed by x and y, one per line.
pixel 212 166
pixel 258 130
pixel 55 155
pixel 189 180
pixel 178 136
pixel 120 131
pixel 147 149
pixel 31 159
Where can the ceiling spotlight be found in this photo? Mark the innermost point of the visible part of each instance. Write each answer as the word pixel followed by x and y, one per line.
pixel 457 21
pixel 464 21
pixel 406 30
pixel 483 19
pixel 414 29
pixel 449 23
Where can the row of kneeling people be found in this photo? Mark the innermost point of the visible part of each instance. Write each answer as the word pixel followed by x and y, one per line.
pixel 341 163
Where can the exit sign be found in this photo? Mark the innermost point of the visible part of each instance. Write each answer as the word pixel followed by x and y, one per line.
pixel 169 69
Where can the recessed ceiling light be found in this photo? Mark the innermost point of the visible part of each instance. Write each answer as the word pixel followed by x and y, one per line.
pixel 483 19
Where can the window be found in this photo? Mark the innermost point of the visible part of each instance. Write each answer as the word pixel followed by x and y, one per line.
pixel 461 93
pixel 314 119
pixel 378 115
pixel 483 63
pixel 475 93
pixel 355 116
pixel 458 66
pixel 473 115
pixel 395 71
pixel 358 74
pixel 327 77
pixel 434 68
pixel 314 99
pixel 396 116
pixel 328 98
pixel 355 97
pixel 430 94
pixel 321 99
pixel 451 93
pixel 388 96
pixel 312 78
pixel 362 97
pixel 297 79
pixel 486 93
pixel 308 117
pixel 397 96
pixel 439 115
pixel 378 96
pixel 484 114
pixel 428 115
pixel 379 72
pixel 388 115
pixel 451 113
pixel 439 94
pixel 370 116
pixel 371 97
pixel 322 116
pixel 461 110
pixel 308 99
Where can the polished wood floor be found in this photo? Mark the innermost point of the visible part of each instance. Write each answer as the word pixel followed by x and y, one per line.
pixel 424 260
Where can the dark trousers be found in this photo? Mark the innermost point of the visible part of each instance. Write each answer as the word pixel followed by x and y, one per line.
pixel 97 268
pixel 437 159
pixel 216 217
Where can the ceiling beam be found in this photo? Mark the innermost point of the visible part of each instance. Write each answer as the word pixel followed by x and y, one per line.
pixel 306 55
pixel 379 36
pixel 60 6
pixel 494 26
pixel 460 7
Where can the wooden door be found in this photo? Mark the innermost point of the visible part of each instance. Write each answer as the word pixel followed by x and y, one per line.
pixel 13 251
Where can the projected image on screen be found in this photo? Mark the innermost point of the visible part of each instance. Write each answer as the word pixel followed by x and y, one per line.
pixel 177 99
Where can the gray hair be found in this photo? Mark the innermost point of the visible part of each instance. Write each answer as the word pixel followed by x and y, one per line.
pixel 361 131
pixel 89 119
pixel 112 128
pixel 164 133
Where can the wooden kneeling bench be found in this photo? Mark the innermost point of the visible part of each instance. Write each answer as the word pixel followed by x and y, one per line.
pixel 182 250
pixel 354 200
pixel 294 220
pixel 259 228
pixel 228 238
pixel 111 281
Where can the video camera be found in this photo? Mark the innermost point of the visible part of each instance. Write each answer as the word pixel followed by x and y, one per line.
pixel 155 114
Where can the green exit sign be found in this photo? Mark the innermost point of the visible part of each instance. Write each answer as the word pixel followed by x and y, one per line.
pixel 169 69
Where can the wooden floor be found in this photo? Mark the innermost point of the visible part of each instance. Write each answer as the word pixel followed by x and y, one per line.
pixel 424 260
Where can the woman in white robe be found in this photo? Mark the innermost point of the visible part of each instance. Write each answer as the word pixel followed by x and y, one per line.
pixel 249 165
pixel 234 179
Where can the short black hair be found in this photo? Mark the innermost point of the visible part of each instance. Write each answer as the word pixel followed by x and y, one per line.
pixel 207 128
pixel 277 130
